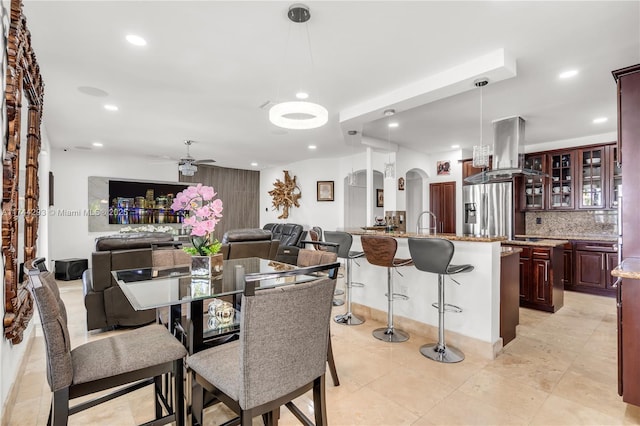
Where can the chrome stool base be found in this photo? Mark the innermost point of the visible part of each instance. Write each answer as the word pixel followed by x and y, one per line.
pixel 437 352
pixel 391 335
pixel 338 302
pixel 348 319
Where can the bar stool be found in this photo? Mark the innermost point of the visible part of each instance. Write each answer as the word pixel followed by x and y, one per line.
pixel 344 241
pixel 434 255
pixel 381 251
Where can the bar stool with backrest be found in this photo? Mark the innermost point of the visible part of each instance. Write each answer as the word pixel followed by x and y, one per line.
pixel 381 251
pixel 434 255
pixel 344 241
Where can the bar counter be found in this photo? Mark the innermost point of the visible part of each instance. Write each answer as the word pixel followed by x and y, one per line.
pixel 476 329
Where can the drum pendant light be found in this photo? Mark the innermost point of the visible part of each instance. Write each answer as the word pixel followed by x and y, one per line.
pixel 301 114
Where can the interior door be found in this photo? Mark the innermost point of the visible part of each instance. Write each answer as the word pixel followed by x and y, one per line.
pixel 442 203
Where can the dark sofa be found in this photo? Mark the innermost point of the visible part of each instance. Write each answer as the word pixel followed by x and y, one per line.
pixel 106 305
pixel 251 242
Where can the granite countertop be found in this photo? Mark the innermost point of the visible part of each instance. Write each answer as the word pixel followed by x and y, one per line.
pixel 537 243
pixel 508 251
pixel 451 237
pixel 629 268
pixel 583 237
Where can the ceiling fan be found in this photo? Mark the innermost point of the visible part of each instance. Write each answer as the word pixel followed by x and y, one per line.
pixel 188 165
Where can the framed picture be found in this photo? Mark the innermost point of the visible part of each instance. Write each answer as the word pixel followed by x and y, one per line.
pixel 379 197
pixel 444 167
pixel 401 184
pixel 325 190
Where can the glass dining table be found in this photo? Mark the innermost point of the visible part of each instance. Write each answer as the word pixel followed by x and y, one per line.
pixel 184 295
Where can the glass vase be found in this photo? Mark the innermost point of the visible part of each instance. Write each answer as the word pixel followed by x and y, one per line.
pixel 206 266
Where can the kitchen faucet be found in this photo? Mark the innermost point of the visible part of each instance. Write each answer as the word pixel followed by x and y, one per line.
pixel 435 222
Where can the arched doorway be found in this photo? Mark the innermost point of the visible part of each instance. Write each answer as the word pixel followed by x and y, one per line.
pixel 416 190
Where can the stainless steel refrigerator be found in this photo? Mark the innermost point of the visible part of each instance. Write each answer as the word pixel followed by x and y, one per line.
pixel 488 209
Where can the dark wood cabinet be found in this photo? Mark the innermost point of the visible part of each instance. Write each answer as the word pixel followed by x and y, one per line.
pixel 469 170
pixel 534 191
pixel 582 178
pixel 628 86
pixel 442 200
pixel 541 271
pixel 567 257
pixel 594 262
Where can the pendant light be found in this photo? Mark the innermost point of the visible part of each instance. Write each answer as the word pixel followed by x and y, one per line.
pixel 300 114
pixel 352 178
pixel 390 167
pixel 481 152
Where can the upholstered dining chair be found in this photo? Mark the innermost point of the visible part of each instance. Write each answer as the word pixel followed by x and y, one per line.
pixel 281 354
pixel 308 257
pixel 136 359
pixel 168 255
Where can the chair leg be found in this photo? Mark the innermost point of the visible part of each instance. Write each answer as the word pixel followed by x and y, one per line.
pixel 178 394
pixel 197 403
pixel 319 403
pixel 332 364
pixel 439 351
pixel 390 333
pixel 157 389
pixel 348 318
pixel 59 414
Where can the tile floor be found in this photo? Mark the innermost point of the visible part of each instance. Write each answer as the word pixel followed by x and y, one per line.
pixel 560 370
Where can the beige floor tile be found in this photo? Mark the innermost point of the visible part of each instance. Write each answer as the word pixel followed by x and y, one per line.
pixel 560 370
pixel 562 412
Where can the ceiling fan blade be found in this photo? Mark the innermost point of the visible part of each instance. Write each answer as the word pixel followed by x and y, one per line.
pixel 209 160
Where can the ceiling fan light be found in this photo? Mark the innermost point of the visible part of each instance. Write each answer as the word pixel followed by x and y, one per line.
pixel 187 169
pixel 317 113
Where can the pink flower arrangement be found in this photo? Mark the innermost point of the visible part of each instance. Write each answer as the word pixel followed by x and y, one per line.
pixel 203 214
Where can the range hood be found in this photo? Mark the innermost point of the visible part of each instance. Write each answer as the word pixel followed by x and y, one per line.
pixel 508 153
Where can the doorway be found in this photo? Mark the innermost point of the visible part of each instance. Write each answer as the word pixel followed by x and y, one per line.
pixel 442 200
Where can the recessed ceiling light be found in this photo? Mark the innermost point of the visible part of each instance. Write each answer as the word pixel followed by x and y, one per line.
pixel 136 40
pixel 455 146
pixel 110 107
pixel 254 164
pixel 302 95
pixel 394 124
pixel 98 144
pixel 600 120
pixel 568 74
pixel 312 147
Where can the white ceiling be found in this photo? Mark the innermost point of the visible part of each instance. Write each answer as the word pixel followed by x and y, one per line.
pixel 210 65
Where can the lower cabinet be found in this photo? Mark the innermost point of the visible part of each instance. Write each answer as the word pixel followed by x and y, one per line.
pixel 541 278
pixel 594 261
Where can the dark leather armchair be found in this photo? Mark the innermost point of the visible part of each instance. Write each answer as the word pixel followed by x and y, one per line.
pixel 251 242
pixel 106 305
pixel 290 236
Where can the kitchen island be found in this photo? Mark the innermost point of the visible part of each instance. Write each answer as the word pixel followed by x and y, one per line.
pixel 475 329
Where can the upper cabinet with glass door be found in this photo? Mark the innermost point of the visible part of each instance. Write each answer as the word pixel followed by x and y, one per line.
pixel 561 172
pixel 615 177
pixel 591 166
pixel 534 186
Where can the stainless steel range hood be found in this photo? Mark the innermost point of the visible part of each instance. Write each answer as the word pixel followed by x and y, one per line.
pixel 508 153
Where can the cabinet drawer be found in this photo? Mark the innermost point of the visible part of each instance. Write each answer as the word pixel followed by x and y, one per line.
pixel 541 253
pixel 596 246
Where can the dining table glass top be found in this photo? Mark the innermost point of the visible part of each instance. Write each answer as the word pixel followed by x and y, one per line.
pixel 155 287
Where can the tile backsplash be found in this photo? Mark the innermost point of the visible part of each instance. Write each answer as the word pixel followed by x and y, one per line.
pixel 596 222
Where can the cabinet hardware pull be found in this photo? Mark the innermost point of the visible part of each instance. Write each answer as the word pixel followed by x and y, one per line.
pixel 596 247
pixel 546 271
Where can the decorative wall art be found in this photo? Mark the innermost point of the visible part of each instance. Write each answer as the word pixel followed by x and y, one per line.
pixel 23 96
pixel 401 184
pixel 285 194
pixel 325 190
pixel 444 167
pixel 379 197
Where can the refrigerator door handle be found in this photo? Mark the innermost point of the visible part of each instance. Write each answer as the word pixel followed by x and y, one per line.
pixel 485 211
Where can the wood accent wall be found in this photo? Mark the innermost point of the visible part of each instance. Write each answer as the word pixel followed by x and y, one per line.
pixel 239 191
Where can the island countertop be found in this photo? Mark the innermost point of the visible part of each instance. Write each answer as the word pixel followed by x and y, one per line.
pixel 451 237
pixel 629 268
pixel 536 243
